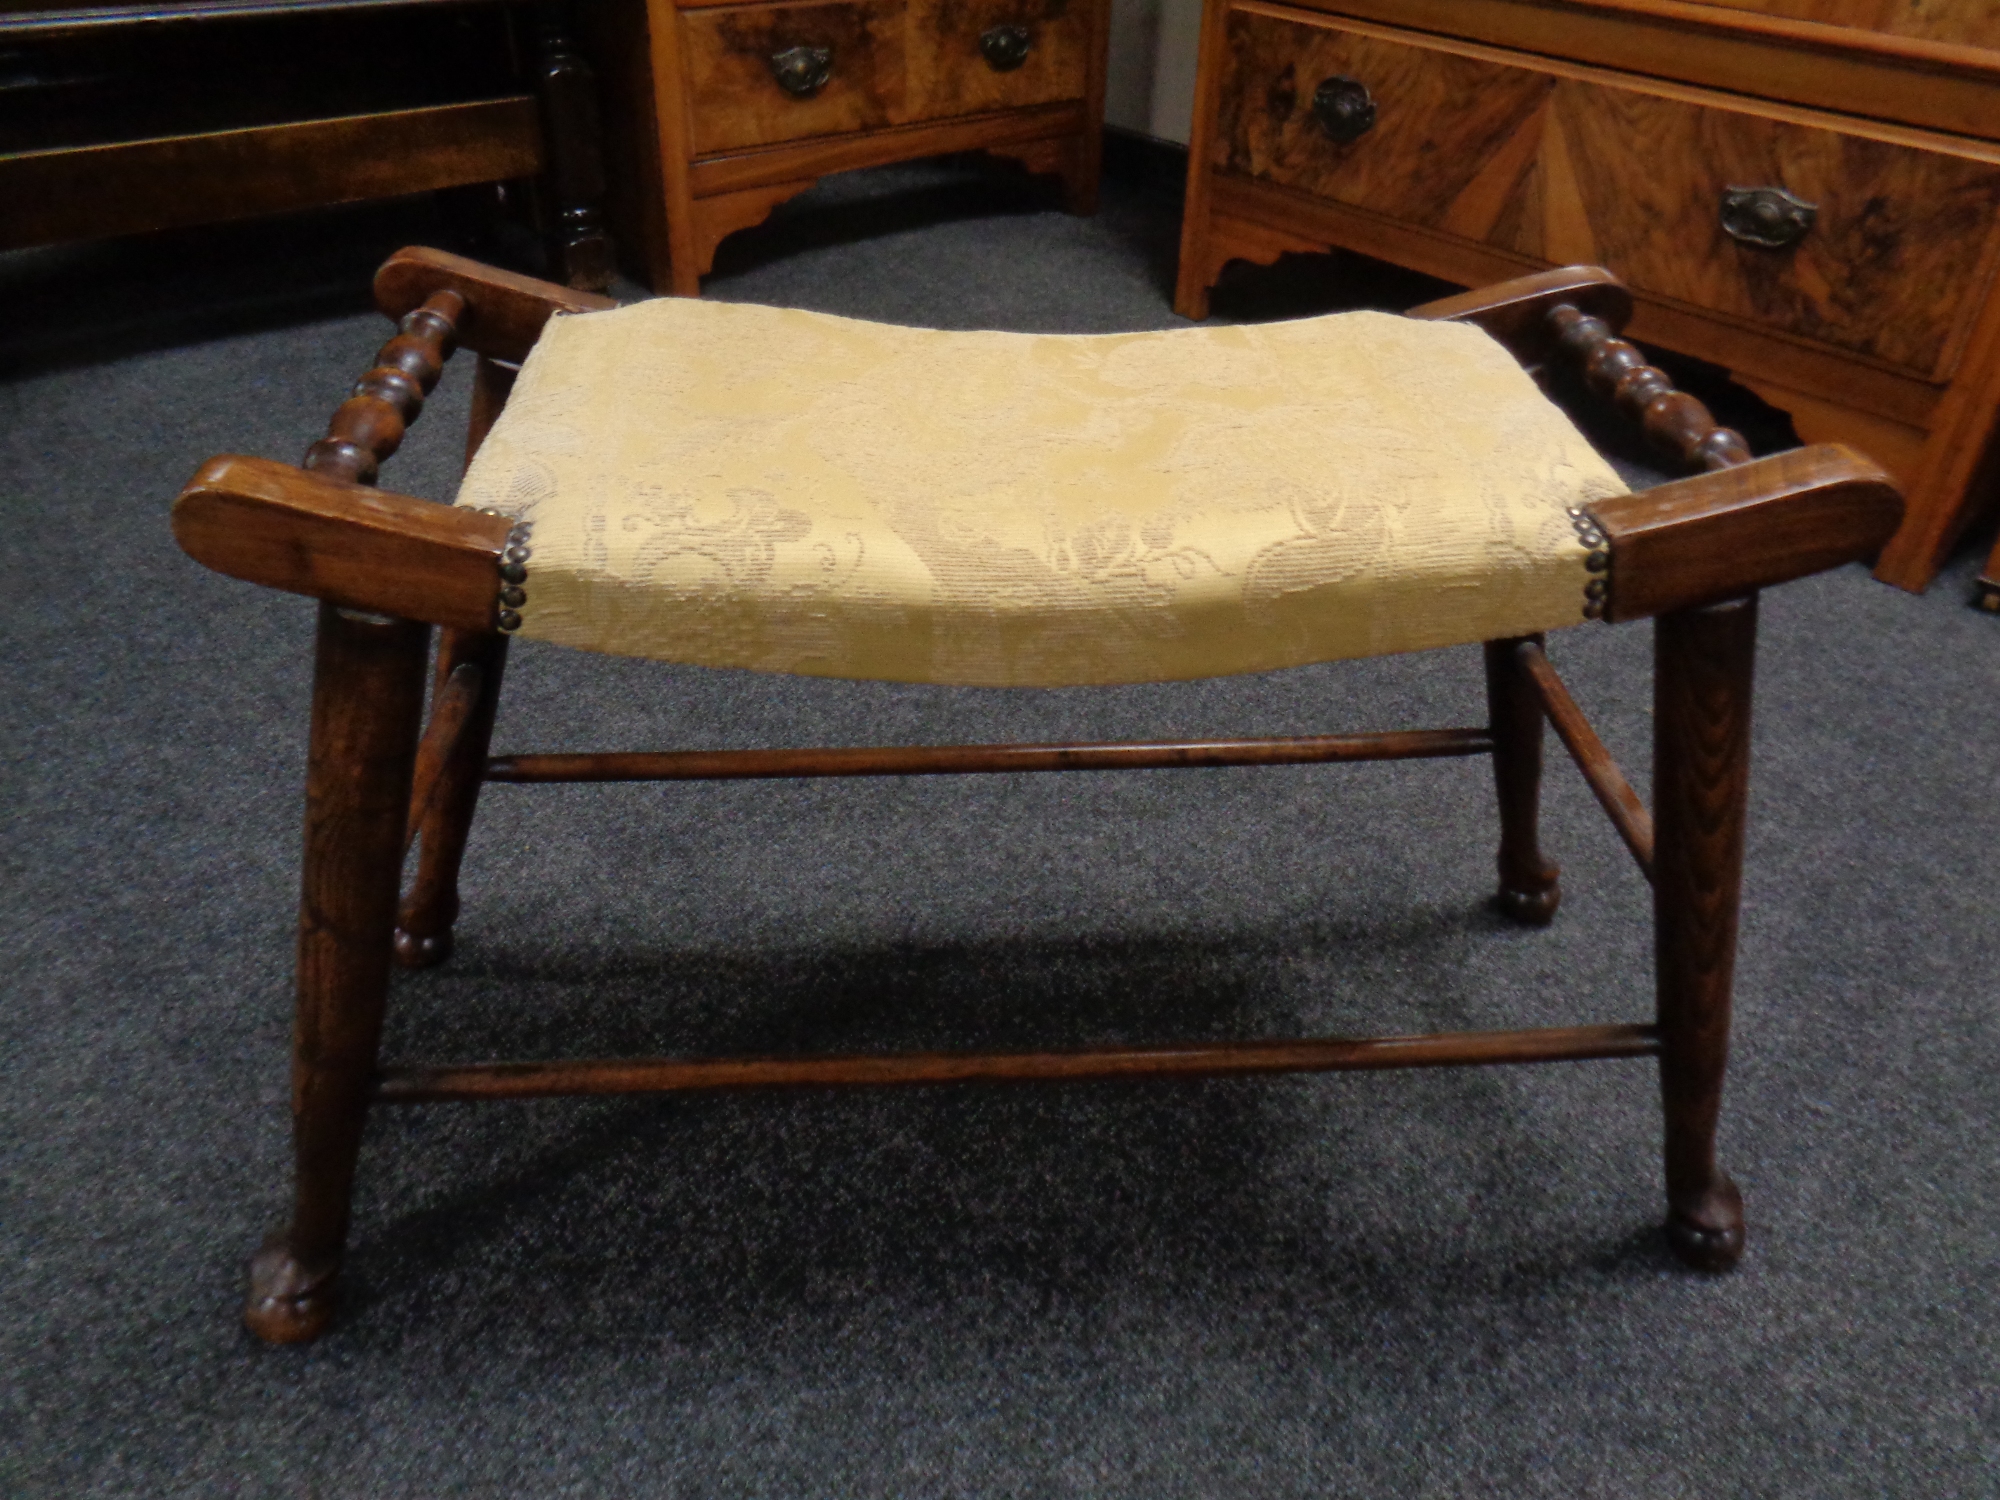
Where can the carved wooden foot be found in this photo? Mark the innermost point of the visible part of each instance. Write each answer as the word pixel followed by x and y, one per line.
pixel 1529 892
pixel 290 1302
pixel 1706 1230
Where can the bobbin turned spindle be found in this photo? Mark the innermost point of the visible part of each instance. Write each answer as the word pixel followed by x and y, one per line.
pixel 369 425
pixel 1675 422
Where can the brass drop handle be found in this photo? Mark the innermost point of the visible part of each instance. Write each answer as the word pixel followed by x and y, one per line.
pixel 1005 48
pixel 1344 108
pixel 802 71
pixel 1766 216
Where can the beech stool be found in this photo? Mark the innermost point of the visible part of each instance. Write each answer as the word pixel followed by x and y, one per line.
pixel 788 492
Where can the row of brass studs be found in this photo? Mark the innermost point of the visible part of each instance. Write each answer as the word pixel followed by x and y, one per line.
pixel 513 572
pixel 1598 562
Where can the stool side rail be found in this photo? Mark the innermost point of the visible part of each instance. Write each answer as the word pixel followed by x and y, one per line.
pixel 531 1080
pixel 1600 772
pixel 956 760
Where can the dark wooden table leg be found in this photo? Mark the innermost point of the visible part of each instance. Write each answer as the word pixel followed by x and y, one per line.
pixel 1703 665
pixel 368 679
pixel 1528 890
pixel 570 125
pixel 423 927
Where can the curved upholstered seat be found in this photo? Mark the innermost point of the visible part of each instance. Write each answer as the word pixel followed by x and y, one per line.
pixel 744 486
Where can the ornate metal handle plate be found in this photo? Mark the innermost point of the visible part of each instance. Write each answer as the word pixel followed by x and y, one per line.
pixel 1344 108
pixel 1005 48
pixel 1766 216
pixel 802 71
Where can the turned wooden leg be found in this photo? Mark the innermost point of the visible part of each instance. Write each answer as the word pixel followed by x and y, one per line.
pixel 423 927
pixel 1701 776
pixel 1528 890
pixel 368 681
pixel 568 88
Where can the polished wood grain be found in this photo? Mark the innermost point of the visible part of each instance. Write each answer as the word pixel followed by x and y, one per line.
pixel 504 312
pixel 1891 269
pixel 1971 23
pixel 1440 119
pixel 734 101
pixel 1718 535
pixel 1879 329
pixel 1703 663
pixel 1842 69
pixel 349 544
pixel 949 75
pixel 958 760
pixel 127 187
pixel 808 159
pixel 1601 774
pixel 1562 168
pixel 529 1080
pixel 368 677
pixel 1529 890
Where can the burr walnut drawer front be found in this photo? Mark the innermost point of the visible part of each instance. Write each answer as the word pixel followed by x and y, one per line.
pixel 761 75
pixel 970 56
pixel 1879 247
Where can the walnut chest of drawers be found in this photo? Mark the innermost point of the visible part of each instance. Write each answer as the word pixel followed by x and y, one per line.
pixel 1792 189
pixel 719 112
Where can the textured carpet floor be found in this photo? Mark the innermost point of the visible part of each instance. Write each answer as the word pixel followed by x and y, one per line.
pixel 1418 1284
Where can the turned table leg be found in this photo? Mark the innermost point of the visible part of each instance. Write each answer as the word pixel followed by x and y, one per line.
pixel 1701 774
pixel 368 677
pixel 423 926
pixel 575 176
pixel 1528 890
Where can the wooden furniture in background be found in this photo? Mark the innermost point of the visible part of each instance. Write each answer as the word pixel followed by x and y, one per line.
pixel 720 112
pixel 1804 192
pixel 128 117
pixel 387 567
pixel 1989 583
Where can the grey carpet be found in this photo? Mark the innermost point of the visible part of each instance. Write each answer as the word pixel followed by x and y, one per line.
pixel 1416 1284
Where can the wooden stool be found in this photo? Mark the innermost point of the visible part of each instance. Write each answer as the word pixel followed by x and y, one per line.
pixel 1174 603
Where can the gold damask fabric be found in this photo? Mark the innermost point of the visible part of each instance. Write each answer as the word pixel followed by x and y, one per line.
pixel 742 486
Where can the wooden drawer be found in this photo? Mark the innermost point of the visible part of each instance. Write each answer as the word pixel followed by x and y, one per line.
pixel 735 99
pixel 889 62
pixel 1570 166
pixel 952 74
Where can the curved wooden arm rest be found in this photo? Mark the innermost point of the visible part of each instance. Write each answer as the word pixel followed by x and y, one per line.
pixel 1517 312
pixel 348 544
pixel 504 312
pixel 1739 529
